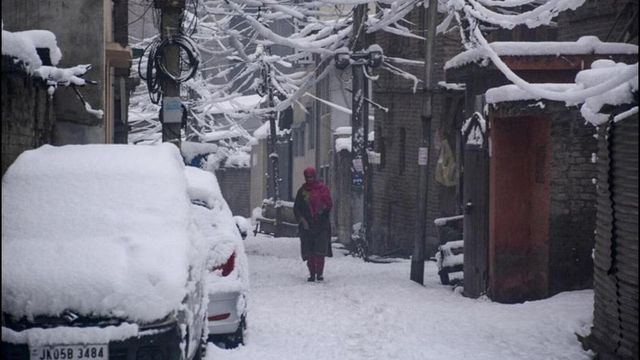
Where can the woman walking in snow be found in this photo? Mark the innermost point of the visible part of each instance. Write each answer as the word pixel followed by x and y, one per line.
pixel 311 209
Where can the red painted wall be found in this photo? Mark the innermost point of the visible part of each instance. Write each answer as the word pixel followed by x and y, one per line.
pixel 519 208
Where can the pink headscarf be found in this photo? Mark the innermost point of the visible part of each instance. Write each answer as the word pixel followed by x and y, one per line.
pixel 319 194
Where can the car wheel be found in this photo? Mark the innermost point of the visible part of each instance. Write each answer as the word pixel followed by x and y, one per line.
pixel 201 353
pixel 237 338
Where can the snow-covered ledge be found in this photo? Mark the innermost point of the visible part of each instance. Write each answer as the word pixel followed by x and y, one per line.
pixel 584 46
pixel 22 48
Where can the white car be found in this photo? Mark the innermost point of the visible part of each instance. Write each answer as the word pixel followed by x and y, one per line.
pixel 100 256
pixel 228 278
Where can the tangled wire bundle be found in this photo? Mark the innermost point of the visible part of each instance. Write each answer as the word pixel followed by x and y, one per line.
pixel 156 70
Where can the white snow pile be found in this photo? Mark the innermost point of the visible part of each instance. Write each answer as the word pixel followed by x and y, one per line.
pixel 584 45
pixel 102 230
pixel 244 224
pixel 365 311
pixel 22 46
pixel 343 143
pixel 514 93
pixel 342 130
pixel 216 156
pixel 240 159
pixel 219 230
pixel 191 149
pixel 264 130
pixel 62 334
pixel 602 70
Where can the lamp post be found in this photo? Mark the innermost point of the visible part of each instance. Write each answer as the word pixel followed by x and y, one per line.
pixel 372 58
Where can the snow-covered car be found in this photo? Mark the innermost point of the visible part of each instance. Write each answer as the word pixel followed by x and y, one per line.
pixel 228 279
pixel 101 257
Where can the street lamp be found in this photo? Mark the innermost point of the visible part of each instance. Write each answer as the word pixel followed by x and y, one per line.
pixel 372 57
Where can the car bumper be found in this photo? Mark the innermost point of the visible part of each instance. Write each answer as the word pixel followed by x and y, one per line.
pixel 224 303
pixel 158 343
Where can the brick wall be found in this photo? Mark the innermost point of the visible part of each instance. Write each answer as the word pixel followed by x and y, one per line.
pixel 394 202
pixel 572 209
pixel 27 113
pixel 235 186
pixel 595 17
pixel 573 199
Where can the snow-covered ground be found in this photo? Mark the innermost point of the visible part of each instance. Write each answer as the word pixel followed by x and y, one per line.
pixel 373 311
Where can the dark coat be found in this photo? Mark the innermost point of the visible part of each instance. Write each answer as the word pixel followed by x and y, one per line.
pixel 316 240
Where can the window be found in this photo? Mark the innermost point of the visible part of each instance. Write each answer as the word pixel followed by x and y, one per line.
pixel 402 143
pixel 310 120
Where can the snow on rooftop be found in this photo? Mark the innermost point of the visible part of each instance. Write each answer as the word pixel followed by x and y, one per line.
pixel 584 45
pixel 514 93
pixel 98 229
pixel 264 130
pixel 342 130
pixel 601 70
pixel 22 45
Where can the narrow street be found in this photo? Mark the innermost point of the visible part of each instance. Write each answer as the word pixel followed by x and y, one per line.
pixel 372 311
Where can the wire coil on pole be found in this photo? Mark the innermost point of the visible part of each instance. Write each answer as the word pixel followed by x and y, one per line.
pixel 156 70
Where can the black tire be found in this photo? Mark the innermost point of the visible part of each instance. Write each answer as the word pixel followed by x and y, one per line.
pixel 201 353
pixel 237 338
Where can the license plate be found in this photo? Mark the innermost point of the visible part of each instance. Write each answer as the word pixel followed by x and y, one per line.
pixel 70 352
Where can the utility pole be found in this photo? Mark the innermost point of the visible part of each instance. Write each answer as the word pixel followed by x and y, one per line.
pixel 171 110
pixel 359 123
pixel 419 249
pixel 272 147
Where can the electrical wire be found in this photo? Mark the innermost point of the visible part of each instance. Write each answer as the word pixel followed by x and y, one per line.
pixel 156 71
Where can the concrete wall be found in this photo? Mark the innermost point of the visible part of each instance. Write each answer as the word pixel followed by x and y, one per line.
pixel 27 113
pixel 235 186
pixel 79 27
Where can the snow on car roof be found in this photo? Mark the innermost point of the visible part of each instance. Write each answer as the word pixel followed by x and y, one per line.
pixel 98 229
pixel 219 229
pixel 203 187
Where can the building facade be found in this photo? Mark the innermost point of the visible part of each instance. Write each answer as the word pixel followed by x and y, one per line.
pixel 89 32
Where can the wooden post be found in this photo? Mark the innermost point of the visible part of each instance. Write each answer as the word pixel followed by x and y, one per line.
pixel 420 234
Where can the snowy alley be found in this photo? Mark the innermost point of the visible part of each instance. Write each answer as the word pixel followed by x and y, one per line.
pixel 373 311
